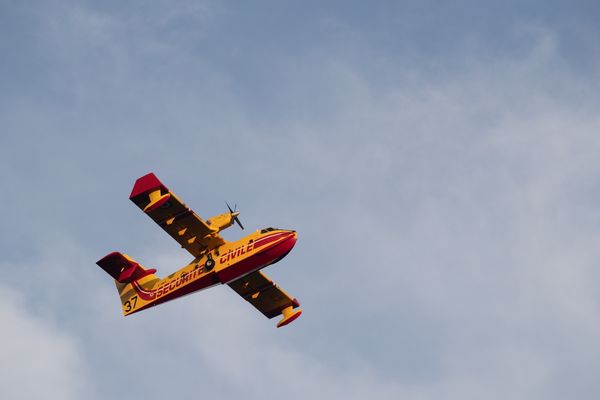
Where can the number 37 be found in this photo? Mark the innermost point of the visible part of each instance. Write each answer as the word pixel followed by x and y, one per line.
pixel 128 306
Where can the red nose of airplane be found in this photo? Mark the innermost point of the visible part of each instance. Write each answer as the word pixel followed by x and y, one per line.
pixel 286 245
pixel 267 250
pixel 293 236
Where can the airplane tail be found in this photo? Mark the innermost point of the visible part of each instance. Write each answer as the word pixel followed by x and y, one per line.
pixel 130 278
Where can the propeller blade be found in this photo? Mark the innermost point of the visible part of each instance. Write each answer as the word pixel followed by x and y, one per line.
pixel 239 223
pixel 234 213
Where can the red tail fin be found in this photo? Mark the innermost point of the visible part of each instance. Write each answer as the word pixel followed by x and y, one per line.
pixel 123 268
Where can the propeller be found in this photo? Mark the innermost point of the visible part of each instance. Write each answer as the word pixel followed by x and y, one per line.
pixel 235 214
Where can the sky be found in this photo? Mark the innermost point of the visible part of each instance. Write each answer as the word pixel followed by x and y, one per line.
pixel 439 161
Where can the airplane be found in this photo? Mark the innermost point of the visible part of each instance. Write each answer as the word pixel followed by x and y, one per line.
pixel 216 261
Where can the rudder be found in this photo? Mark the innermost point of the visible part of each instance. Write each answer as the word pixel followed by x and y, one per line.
pixel 130 278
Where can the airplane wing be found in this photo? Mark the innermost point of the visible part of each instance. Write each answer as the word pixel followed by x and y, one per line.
pixel 257 289
pixel 171 214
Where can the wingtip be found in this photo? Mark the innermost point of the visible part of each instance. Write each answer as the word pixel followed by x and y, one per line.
pixel 146 183
pixel 289 319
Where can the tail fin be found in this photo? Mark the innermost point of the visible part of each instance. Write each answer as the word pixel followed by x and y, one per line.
pixel 131 278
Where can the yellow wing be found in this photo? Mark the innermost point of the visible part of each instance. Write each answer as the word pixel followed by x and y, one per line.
pixel 267 297
pixel 171 214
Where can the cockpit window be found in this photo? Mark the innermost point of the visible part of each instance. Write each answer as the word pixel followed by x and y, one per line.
pixel 269 229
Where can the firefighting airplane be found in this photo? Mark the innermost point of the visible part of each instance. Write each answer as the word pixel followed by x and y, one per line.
pixel 216 261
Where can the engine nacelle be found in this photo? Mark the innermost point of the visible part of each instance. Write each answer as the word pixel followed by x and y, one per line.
pixel 222 221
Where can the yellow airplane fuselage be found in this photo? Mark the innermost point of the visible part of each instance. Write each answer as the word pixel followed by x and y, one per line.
pixel 232 261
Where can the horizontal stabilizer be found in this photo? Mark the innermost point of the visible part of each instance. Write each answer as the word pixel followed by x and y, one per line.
pixel 123 268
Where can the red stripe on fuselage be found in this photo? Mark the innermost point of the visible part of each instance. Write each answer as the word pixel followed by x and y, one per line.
pixel 250 246
pixel 143 293
pixel 169 290
pixel 272 248
pixel 265 240
pixel 260 259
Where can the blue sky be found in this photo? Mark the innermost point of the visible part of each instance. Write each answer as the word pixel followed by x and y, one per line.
pixel 439 161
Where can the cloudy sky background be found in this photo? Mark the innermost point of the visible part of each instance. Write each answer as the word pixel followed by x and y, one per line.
pixel 439 161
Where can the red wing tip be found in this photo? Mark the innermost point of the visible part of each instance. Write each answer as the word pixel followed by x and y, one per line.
pixel 145 184
pixel 289 319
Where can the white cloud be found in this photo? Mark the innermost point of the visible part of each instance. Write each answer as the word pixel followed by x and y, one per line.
pixel 39 360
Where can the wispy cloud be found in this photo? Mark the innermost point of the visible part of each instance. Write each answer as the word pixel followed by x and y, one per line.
pixel 38 358
pixel 446 204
